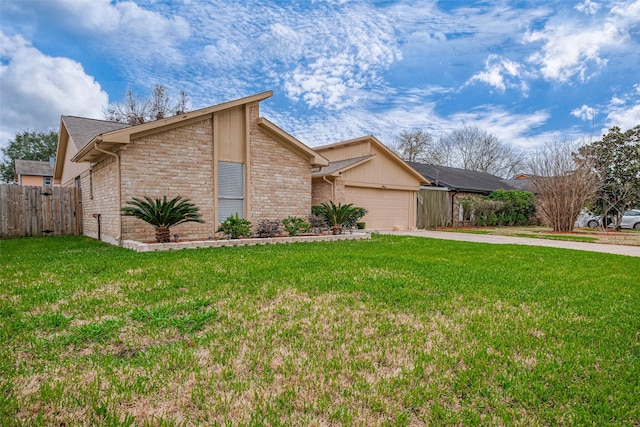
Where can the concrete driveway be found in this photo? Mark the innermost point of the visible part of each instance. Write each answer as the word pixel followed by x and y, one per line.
pixel 507 240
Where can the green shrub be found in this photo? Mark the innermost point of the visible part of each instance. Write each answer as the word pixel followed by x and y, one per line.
pixel 518 206
pixel 162 214
pixel 339 216
pixel 234 227
pixel 501 208
pixel 268 228
pixel 295 225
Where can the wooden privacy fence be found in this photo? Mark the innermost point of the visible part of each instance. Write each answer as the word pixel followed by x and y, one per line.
pixel 434 209
pixel 39 211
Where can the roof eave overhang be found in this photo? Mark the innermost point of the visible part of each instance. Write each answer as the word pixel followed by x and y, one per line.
pixel 116 140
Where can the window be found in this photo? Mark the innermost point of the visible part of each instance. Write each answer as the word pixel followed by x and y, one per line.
pixel 47 181
pixel 230 190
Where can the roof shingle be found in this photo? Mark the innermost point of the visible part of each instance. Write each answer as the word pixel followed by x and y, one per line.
pixel 34 168
pixel 83 130
pixel 461 179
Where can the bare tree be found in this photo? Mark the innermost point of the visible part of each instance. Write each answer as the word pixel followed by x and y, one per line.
pixel 135 111
pixel 416 146
pixel 562 185
pixel 475 149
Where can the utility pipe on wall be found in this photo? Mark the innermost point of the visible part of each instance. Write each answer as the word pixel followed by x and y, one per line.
pixel 119 195
pixel 333 188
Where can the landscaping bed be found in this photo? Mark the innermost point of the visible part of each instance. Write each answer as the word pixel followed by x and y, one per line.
pixel 217 243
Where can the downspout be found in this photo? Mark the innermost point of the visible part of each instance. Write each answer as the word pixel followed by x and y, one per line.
pixel 333 188
pixel 119 195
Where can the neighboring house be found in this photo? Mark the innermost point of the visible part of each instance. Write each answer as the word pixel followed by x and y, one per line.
pixel 34 173
pixel 459 184
pixel 224 158
pixel 364 172
pixel 522 182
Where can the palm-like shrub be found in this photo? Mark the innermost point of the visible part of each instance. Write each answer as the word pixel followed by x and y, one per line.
pixel 339 216
pixel 162 214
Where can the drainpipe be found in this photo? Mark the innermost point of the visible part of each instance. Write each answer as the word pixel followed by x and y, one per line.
pixel 333 188
pixel 119 198
pixel 97 216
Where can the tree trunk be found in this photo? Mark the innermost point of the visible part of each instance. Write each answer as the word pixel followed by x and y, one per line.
pixel 163 235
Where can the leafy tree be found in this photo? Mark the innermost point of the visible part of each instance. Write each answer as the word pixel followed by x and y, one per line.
pixel 417 146
pixel 616 161
pixel 135 111
pixel 472 148
pixel 562 185
pixel 163 214
pixel 27 145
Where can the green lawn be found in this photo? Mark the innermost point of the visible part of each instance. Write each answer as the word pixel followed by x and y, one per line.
pixel 392 331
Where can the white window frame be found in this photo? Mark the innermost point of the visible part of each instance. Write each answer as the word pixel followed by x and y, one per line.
pixel 231 194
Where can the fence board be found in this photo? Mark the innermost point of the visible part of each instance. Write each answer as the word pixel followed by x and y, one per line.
pixel 32 211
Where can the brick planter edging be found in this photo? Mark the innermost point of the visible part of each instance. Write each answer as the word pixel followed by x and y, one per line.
pixel 152 247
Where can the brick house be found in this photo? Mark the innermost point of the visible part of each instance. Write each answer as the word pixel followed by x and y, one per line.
pixel 224 158
pixel 364 172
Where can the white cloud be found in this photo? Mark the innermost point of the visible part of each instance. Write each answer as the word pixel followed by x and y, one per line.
pixel 357 45
pixel 585 113
pixel 569 50
pixel 624 111
pixel 514 129
pixel 122 27
pixel 573 48
pixel 589 7
pixel 500 73
pixel 36 88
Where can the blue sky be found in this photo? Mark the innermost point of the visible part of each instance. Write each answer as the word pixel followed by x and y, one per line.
pixel 527 71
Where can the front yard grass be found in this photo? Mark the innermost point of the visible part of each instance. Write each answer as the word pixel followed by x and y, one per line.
pixel 391 331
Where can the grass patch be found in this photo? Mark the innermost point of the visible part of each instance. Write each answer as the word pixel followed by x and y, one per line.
pixel 466 230
pixel 570 238
pixel 392 331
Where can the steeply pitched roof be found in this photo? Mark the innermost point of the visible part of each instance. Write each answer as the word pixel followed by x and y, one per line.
pixel 83 130
pixel 340 166
pixel 118 138
pixel 34 168
pixel 461 179
pixel 381 148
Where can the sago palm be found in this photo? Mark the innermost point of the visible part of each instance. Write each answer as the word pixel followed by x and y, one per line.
pixel 162 214
pixel 337 216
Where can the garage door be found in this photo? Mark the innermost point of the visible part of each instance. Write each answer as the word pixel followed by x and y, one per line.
pixel 387 209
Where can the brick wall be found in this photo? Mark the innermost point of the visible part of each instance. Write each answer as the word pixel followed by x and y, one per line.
pixel 100 196
pixel 175 162
pixel 280 180
pixel 324 192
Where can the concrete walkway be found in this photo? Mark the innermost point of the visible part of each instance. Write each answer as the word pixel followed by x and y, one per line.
pixel 508 240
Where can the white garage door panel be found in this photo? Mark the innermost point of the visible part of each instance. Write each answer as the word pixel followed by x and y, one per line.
pixel 386 208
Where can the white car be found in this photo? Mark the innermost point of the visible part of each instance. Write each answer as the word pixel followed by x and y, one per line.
pixel 630 219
